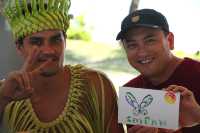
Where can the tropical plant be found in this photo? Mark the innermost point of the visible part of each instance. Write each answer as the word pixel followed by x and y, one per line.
pixel 78 29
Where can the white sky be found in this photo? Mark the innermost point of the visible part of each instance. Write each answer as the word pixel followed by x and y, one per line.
pixel 184 20
pixel 106 15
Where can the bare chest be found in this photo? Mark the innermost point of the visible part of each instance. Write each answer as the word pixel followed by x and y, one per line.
pixel 49 109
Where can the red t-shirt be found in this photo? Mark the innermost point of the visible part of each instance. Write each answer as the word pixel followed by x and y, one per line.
pixel 187 74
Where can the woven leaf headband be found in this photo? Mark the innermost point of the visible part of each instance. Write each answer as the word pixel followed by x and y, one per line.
pixel 30 16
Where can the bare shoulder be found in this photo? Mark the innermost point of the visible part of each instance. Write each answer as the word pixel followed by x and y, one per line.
pixel 96 76
pixel 91 73
pixel 100 81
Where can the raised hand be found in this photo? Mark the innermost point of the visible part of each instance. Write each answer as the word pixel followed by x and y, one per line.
pixel 189 108
pixel 18 84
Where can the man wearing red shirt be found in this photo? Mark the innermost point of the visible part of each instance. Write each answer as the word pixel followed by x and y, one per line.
pixel 148 42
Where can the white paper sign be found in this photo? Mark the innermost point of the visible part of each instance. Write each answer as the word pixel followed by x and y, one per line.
pixel 155 108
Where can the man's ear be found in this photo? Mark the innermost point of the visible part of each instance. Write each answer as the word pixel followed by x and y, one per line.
pixel 170 38
pixel 19 48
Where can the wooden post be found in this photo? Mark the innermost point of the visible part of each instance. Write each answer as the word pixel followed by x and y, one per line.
pixel 134 5
pixel 9 60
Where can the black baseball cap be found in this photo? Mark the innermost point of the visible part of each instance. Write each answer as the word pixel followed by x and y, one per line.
pixel 143 18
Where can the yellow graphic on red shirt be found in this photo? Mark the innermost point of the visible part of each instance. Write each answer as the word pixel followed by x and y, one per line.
pixel 170 97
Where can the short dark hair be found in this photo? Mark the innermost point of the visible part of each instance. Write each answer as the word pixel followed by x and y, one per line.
pixel 165 32
pixel 19 42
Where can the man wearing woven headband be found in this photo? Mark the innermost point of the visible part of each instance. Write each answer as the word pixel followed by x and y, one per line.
pixel 44 96
pixel 148 42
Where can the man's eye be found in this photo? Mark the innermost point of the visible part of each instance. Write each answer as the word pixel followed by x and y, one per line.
pixel 56 40
pixel 36 42
pixel 131 45
pixel 150 40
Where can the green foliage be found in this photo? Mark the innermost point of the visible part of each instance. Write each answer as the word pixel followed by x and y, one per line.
pixel 110 58
pixel 183 54
pixel 78 29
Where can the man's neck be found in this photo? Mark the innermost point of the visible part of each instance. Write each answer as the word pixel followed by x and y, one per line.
pixel 167 72
pixel 51 85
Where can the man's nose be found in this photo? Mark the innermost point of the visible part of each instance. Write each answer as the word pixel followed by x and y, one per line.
pixel 47 49
pixel 141 51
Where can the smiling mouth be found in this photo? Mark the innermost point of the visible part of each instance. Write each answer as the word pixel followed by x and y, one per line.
pixel 145 61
